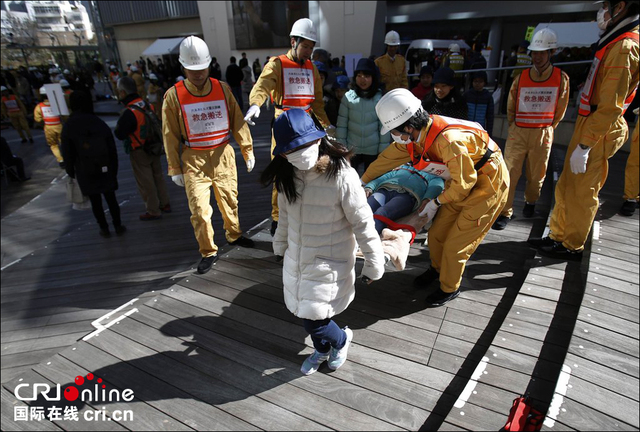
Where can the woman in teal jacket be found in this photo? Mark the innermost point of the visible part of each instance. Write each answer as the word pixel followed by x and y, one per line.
pixel 400 192
pixel 358 125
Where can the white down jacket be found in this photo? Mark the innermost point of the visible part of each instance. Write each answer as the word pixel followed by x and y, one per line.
pixel 317 236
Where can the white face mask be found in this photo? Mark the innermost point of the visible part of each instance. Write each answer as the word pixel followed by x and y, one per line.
pixel 602 24
pixel 305 159
pixel 398 139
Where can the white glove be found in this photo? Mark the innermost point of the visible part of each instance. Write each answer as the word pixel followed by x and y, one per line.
pixel 250 164
pixel 578 160
pixel 253 111
pixel 178 179
pixel 430 210
pixel 331 131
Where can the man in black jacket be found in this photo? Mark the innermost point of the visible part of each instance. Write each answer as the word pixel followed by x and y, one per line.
pixel 234 79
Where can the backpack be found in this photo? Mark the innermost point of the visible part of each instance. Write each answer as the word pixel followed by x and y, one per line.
pixel 153 144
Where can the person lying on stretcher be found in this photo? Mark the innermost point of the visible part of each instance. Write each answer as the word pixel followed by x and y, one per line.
pixel 395 195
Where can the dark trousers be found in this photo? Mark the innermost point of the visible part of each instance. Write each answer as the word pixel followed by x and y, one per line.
pixel 390 204
pixel 325 334
pixel 237 92
pixel 98 211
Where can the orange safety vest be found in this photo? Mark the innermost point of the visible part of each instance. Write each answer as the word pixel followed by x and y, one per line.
pixel 587 91
pixel 206 118
pixel 136 138
pixel 298 84
pixel 49 118
pixel 537 101
pixel 11 103
pixel 426 163
pixel 114 77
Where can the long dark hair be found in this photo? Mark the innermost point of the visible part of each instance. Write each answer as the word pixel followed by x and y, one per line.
pixel 281 173
pixel 372 90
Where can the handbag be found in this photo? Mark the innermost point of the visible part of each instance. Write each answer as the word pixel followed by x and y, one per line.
pixel 74 194
pixel 523 417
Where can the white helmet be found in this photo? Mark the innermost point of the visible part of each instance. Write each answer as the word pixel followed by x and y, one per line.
pixel 545 39
pixel 305 29
pixel 64 83
pixel 153 77
pixel 66 72
pixel 395 108
pixel 128 63
pixel 194 53
pixel 134 68
pixel 392 38
pixel 454 47
pixel 3 88
pixel 112 67
pixel 43 91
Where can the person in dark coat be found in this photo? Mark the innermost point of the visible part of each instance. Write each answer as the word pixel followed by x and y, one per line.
pixel 480 102
pixel 89 151
pixel 445 99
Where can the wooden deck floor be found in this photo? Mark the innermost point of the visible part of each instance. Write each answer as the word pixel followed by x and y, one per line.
pixel 221 351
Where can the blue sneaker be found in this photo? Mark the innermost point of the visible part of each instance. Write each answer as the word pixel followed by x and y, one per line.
pixel 313 362
pixel 337 357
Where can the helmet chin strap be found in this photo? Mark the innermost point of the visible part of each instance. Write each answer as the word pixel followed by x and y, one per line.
pixel 295 52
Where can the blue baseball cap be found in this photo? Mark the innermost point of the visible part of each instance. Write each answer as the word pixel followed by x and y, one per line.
pixel 321 67
pixel 294 128
pixel 341 82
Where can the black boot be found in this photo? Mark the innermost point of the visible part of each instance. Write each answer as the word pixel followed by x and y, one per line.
pixel 206 263
pixel 501 223
pixel 426 278
pixel 628 208
pixel 529 210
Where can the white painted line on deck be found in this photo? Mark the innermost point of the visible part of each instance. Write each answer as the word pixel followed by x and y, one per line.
pixel 596 230
pixel 96 323
pixel 558 397
pixel 10 264
pixel 109 324
pixel 471 385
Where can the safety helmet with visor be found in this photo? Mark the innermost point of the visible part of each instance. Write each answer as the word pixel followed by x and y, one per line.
pixel 43 91
pixel 194 54
pixel 392 38
pixel 545 39
pixel 454 47
pixel 292 129
pixel 395 108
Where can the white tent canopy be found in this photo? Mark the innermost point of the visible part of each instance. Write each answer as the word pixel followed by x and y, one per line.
pixel 578 34
pixel 163 47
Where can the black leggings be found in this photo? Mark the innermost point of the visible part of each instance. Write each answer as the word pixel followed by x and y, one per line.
pixel 98 211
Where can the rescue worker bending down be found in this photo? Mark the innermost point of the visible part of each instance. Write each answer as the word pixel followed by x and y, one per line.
pixel 537 103
pixel 631 187
pixel 393 68
pixel 599 133
pixel 199 115
pixel 476 188
pixel 147 169
pixel 290 81
pixel 43 113
pixel 13 108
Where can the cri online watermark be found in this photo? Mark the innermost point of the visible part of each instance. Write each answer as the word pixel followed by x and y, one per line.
pixel 95 394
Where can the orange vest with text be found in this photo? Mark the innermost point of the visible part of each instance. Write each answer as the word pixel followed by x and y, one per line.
pixel 136 138
pixel 587 91
pixel 298 84
pixel 11 103
pixel 47 114
pixel 206 118
pixel 537 101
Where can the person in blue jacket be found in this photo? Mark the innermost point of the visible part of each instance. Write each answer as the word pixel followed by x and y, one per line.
pixel 400 192
pixel 358 125
pixel 480 102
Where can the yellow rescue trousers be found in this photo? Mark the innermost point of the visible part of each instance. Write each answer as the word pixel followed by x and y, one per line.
pixel 534 146
pixel 577 194
pixel 631 174
pixel 19 123
pixel 52 135
pixel 204 169
pixel 459 228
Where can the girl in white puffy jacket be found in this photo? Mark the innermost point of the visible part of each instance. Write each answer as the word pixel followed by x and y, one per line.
pixel 324 216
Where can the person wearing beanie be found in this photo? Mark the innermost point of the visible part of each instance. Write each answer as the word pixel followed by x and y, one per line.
pixel 445 99
pixel 424 87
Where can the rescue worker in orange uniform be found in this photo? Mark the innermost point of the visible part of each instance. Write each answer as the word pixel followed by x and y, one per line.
pixel 537 103
pixel 631 186
pixel 393 67
pixel 114 76
pixel 599 133
pixel 13 108
pixel 199 115
pixel 290 81
pixel 43 113
pixel 476 188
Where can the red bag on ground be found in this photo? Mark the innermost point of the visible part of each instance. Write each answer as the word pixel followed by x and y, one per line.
pixel 523 417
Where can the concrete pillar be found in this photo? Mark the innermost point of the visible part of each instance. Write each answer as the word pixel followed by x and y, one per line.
pixel 495 42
